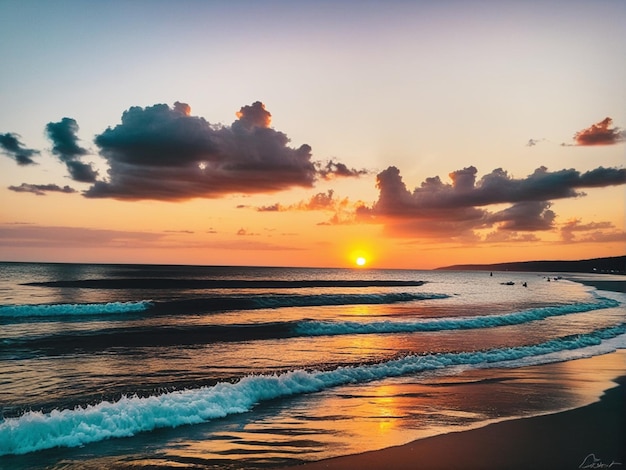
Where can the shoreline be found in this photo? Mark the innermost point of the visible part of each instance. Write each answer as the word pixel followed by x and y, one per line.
pixel 591 436
pixel 616 285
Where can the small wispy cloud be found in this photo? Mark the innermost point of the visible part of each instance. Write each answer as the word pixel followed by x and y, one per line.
pixel 41 189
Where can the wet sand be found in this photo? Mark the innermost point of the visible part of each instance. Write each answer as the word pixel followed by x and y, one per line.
pixel 615 286
pixel 591 436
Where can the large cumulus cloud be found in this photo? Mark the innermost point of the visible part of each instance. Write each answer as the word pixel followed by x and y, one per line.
pixel 459 208
pixel 165 153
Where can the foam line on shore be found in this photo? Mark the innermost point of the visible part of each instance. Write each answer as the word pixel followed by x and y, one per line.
pixel 35 430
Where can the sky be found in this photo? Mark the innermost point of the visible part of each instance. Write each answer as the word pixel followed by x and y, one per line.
pixel 413 134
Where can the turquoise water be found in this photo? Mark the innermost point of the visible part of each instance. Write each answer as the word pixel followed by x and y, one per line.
pixel 198 367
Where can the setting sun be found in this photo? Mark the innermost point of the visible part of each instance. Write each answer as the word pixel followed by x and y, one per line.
pixel 360 261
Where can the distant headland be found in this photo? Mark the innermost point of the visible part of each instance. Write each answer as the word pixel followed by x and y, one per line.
pixel 612 265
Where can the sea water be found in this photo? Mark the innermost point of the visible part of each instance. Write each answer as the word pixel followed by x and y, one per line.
pixel 134 366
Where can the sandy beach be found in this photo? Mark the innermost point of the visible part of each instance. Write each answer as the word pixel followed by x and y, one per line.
pixel 591 436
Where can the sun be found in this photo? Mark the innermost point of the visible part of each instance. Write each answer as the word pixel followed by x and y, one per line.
pixel 360 261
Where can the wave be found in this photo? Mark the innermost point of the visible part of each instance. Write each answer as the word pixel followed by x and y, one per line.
pixel 326 328
pixel 137 336
pixel 176 283
pixel 209 304
pixel 53 310
pixel 36 431
pixel 254 302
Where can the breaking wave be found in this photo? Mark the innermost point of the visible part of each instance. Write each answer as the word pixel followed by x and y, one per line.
pixel 208 304
pixel 36 431
pixel 326 328
pixel 55 310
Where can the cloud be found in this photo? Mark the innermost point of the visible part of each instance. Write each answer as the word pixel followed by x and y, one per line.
pixel 344 209
pixel 317 202
pixel 65 146
pixel 20 235
pixel 600 133
pixel 276 207
pixel 457 209
pixel 164 153
pixel 510 237
pixel 525 216
pixel 11 146
pixel 494 188
pixel 242 232
pixel 74 237
pixel 41 189
pixel 572 230
pixel 253 116
pixel 332 170
pixel 188 232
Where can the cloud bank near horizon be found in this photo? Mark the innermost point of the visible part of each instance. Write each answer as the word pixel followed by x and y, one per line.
pixel 456 210
pixel 165 153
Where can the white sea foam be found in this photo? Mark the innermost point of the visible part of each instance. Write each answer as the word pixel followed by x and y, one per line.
pixel 131 415
pixel 319 328
pixel 53 310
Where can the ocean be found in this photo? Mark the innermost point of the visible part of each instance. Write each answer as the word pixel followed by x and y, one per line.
pixel 141 366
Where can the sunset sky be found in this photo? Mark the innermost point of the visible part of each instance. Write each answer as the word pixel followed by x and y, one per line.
pixel 414 134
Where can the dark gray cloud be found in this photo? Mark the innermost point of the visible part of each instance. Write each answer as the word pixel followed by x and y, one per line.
pixel 165 153
pixel 458 208
pixel 11 146
pixel 41 189
pixel 253 116
pixel 333 169
pixel 527 216
pixel 64 139
pixel 65 146
pixel 496 187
